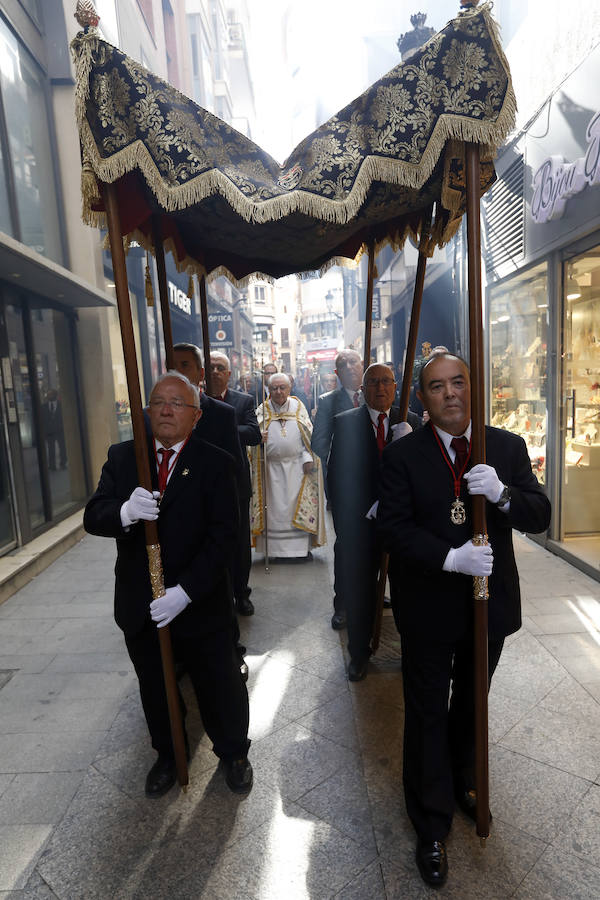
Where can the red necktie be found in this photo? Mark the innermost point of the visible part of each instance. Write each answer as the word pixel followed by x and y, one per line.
pixel 461 446
pixel 355 399
pixel 163 469
pixel 381 432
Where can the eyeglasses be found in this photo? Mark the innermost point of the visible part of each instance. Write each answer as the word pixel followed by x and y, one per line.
pixel 174 404
pixel 375 382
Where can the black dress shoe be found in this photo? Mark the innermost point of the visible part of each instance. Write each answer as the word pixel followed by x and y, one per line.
pixel 357 670
pixel 238 775
pixel 338 621
pixel 244 669
pixel 244 606
pixel 467 801
pixel 432 862
pixel 387 603
pixel 161 777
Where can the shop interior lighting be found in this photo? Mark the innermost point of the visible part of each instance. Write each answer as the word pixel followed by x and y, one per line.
pixel 542 306
pixel 503 318
pixel 573 289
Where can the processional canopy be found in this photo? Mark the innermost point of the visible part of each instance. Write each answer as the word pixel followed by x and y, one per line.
pixel 367 175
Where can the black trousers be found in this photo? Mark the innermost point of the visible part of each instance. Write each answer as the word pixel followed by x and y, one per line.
pixel 339 603
pixel 213 667
pixel 357 564
pixel 243 555
pixel 439 738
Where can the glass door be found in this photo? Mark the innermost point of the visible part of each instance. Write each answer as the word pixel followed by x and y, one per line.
pixel 7 412
pixel 580 501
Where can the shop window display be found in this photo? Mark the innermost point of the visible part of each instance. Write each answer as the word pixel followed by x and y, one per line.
pixel 518 347
pixel 581 391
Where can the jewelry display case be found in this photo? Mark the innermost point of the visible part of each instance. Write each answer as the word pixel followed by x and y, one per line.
pixel 518 349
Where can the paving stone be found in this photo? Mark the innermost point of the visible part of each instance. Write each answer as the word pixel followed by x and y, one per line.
pixel 21 846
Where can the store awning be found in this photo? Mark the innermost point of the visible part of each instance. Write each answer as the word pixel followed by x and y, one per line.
pixel 368 175
pixel 32 272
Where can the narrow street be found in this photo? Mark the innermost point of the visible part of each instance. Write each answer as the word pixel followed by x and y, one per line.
pixel 326 815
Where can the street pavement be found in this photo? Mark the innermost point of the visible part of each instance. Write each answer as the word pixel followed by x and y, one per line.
pixel 326 815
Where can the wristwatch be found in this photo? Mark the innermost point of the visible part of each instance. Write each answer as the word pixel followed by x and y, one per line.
pixel 504 496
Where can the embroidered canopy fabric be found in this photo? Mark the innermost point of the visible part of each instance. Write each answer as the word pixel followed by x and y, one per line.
pixel 368 174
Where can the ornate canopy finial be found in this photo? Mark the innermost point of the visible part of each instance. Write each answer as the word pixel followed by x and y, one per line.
pixel 86 14
pixel 409 43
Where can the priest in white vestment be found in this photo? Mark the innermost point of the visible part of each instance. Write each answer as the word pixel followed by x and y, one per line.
pixel 294 481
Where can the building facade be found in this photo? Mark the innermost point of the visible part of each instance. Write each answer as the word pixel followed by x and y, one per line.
pixel 542 223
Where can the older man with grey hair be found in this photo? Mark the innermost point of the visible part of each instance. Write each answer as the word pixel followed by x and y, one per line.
pixel 194 501
pixel 294 481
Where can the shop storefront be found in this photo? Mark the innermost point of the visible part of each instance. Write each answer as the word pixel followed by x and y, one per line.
pixel 44 458
pixel 544 308
pixel 44 472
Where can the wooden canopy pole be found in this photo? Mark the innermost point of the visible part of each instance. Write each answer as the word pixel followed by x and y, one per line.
pixel 413 329
pixel 409 362
pixel 205 334
pixel 143 469
pixel 163 292
pixel 369 305
pixel 480 583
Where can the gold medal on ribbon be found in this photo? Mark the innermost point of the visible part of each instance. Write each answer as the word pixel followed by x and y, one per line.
pixel 458 515
pixel 458 512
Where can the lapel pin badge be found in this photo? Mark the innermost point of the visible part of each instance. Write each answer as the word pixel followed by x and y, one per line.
pixel 186 472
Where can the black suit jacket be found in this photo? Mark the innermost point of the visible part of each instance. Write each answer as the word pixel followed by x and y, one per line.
pixel 217 425
pixel 353 470
pixel 329 406
pixel 248 432
pixel 245 417
pixel 414 520
pixel 197 530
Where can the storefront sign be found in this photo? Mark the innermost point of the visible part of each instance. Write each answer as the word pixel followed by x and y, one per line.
pixel 556 181
pixel 321 355
pixel 179 299
pixel 220 327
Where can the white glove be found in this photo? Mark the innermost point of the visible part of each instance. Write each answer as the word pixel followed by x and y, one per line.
pixel 164 609
pixel 482 479
pixel 400 429
pixel 470 559
pixel 141 505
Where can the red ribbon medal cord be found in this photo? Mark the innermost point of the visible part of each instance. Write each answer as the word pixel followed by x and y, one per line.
pixel 458 514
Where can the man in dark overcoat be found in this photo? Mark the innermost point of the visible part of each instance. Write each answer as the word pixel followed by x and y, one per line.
pixel 359 436
pixel 349 369
pixel 217 425
pixel 250 436
pixel 426 524
pixel 194 499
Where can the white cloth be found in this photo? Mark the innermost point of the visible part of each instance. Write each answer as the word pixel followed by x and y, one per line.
pixel 400 430
pixel 286 454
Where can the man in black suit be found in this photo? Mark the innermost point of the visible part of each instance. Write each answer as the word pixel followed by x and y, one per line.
pixel 194 483
pixel 217 426
pixel 249 435
pixel 348 366
pixel 425 520
pixel 359 436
